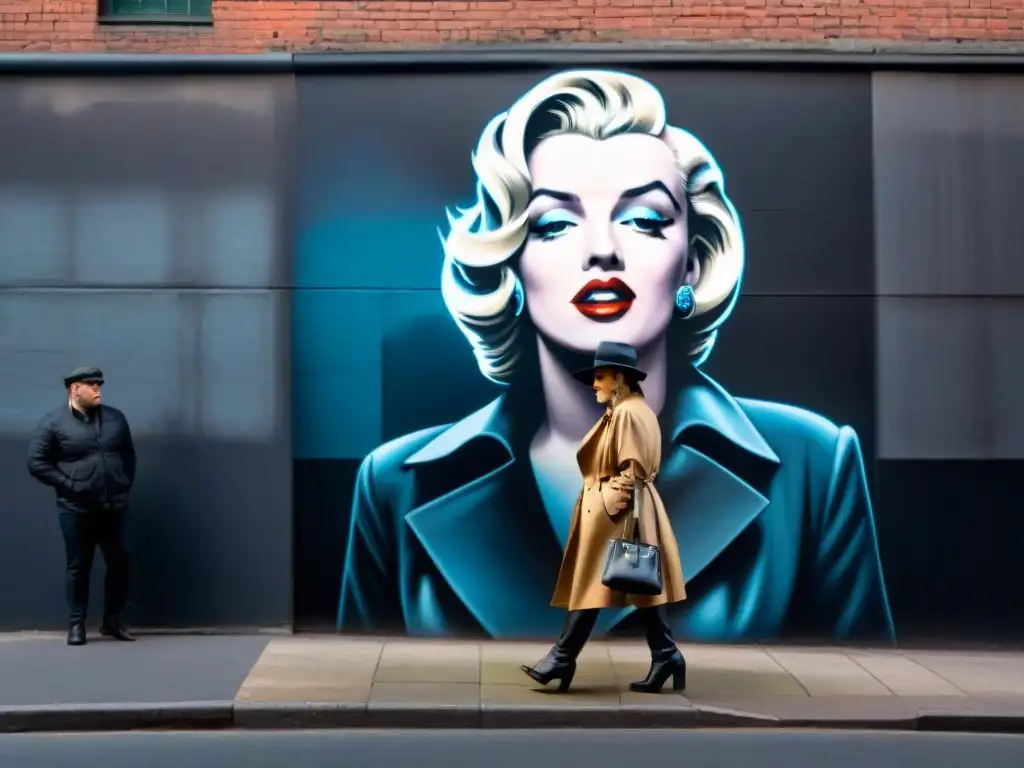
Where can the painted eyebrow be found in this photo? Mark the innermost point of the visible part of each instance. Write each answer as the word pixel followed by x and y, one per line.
pixel 654 186
pixel 565 197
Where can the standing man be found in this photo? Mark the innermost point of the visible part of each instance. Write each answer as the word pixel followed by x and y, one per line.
pixel 84 451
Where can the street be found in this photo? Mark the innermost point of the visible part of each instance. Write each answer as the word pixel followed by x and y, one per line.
pixel 499 749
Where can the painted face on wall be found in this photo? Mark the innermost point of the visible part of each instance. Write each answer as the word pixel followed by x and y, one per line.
pixel 608 243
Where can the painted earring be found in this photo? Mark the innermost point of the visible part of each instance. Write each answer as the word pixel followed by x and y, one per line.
pixel 519 297
pixel 686 302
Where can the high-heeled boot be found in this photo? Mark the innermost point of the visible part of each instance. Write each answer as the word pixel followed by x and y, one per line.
pixel 560 662
pixel 666 660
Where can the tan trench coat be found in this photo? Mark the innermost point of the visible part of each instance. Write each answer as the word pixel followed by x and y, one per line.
pixel 629 432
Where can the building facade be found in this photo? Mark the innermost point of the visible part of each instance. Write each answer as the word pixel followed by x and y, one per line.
pixel 248 246
pixel 240 26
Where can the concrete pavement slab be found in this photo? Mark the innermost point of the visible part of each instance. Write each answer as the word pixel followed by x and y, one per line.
pixel 736 671
pixel 499 662
pixel 313 669
pixel 902 675
pixel 442 694
pixel 976 674
pixel 828 673
pixel 429 662
pixel 520 695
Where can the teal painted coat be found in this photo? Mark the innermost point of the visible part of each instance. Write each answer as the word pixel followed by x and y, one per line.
pixel 769 504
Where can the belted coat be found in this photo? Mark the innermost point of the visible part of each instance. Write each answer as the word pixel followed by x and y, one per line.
pixel 626 441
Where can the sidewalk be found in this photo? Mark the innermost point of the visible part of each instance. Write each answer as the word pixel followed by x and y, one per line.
pixel 261 681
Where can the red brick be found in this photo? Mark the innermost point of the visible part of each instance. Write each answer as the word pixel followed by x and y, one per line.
pixel 244 26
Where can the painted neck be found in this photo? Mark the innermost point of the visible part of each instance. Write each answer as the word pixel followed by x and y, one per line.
pixel 571 408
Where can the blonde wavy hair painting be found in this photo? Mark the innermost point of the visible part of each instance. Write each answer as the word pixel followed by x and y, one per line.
pixel 479 284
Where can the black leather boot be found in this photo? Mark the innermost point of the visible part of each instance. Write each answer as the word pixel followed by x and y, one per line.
pixel 560 663
pixel 76 634
pixel 113 628
pixel 666 660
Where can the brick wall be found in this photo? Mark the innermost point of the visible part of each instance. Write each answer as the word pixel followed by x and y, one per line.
pixel 249 26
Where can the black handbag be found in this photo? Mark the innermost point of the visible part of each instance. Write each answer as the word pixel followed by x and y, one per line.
pixel 630 565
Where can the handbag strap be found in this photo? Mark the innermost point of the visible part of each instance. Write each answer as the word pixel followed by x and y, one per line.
pixel 645 483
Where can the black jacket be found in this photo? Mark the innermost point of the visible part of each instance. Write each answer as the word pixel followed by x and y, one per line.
pixel 90 462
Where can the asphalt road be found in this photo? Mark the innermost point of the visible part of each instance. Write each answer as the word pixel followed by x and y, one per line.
pixel 508 749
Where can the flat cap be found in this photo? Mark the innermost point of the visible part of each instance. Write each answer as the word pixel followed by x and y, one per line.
pixel 84 373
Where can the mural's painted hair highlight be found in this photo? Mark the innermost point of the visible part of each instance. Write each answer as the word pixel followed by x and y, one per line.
pixel 479 283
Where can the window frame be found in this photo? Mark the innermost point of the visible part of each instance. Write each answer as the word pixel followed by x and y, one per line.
pixel 106 15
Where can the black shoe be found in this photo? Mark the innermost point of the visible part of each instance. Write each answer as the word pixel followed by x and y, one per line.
pixel 549 670
pixel 115 629
pixel 560 663
pixel 659 673
pixel 76 634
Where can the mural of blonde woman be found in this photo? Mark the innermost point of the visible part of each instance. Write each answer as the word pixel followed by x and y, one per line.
pixel 596 220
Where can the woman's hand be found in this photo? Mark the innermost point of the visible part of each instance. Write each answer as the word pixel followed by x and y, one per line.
pixel 618 493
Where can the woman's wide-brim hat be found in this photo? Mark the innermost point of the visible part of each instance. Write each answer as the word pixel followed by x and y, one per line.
pixel 615 355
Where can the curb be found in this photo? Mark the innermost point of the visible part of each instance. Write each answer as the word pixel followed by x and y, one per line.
pixel 224 715
pixel 116 717
pixel 972 723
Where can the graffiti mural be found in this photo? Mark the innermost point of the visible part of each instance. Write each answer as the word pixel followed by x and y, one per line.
pixel 596 219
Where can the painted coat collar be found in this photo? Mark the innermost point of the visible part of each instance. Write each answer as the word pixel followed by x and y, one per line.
pixel 478 546
pixel 703 403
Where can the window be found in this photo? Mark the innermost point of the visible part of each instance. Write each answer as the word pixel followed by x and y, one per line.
pixel 156 11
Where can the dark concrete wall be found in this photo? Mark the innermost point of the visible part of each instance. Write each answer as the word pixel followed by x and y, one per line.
pixel 144 229
pixel 147 225
pixel 949 255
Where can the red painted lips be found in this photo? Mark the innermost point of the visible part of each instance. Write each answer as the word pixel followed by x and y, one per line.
pixel 604 300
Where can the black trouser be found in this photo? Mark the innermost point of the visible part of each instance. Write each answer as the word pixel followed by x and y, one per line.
pixel 579 625
pixel 83 532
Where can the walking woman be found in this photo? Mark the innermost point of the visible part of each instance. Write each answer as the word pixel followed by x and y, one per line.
pixel 619 460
